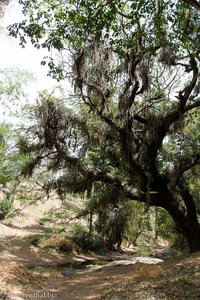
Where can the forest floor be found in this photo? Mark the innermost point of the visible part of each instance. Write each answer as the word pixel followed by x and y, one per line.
pixel 124 276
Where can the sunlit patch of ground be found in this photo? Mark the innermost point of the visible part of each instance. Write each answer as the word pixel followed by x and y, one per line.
pixel 178 278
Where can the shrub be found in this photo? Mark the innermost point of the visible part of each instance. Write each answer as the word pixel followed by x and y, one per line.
pixel 5 207
pixel 59 243
pixel 85 240
pixel 34 239
pixel 48 241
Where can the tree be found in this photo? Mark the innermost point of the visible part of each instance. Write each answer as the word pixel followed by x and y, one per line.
pixel 8 171
pixel 135 71
pixel 12 82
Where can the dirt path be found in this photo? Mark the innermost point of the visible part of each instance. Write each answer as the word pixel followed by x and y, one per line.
pixel 94 284
pixel 16 253
pixel 131 278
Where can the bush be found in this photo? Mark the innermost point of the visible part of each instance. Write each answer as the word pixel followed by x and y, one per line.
pixel 5 207
pixel 59 243
pixel 48 241
pixel 85 240
pixel 34 239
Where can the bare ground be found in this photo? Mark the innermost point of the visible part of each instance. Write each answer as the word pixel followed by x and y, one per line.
pixel 130 278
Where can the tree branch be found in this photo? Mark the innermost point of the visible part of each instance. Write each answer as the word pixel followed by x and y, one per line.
pixel 183 166
pixel 129 191
pixel 194 3
pixel 110 123
pixel 185 93
pixel 140 119
pixel 189 202
pixel 160 127
pixel 123 15
pixel 100 111
pixel 191 106
pixel 95 175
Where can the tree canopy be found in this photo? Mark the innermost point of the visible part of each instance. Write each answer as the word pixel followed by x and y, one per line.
pixel 134 66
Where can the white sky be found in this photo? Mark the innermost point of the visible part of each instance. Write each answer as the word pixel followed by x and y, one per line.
pixel 11 54
pixel 28 58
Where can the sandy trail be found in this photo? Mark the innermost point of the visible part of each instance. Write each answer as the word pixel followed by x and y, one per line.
pixel 90 283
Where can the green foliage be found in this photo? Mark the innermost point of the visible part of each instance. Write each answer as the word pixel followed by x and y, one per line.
pixel 57 241
pixel 12 95
pixel 111 224
pixel 54 216
pixel 134 68
pixel 12 89
pixel 164 23
pixel 34 239
pixel 5 207
pixel 194 183
pixel 165 225
pixel 9 170
pixel 49 240
pixel 179 243
pixel 85 240
pixel 67 245
pixel 137 221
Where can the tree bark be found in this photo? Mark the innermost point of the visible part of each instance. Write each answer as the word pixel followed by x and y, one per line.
pixel 189 227
pixel 184 216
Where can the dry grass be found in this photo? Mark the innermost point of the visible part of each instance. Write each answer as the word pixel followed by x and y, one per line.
pixel 178 278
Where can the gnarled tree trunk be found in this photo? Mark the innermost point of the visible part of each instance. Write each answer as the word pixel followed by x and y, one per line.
pixel 184 216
